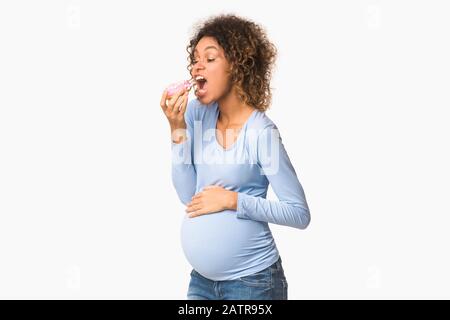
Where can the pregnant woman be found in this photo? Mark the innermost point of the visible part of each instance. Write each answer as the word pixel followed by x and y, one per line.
pixel 225 152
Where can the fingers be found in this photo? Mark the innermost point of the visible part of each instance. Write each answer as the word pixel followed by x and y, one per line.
pixel 200 194
pixel 193 208
pixel 196 213
pixel 178 105
pixel 193 202
pixel 175 100
pixel 175 106
pixel 196 197
pixel 182 108
pixel 163 100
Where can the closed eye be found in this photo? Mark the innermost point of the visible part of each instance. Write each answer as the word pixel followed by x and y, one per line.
pixel 209 60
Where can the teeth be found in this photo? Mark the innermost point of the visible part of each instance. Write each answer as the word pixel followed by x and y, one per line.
pixel 199 78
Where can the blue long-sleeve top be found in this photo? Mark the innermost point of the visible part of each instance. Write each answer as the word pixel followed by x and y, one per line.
pixel 230 244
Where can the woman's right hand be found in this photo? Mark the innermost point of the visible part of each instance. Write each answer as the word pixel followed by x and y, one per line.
pixel 174 108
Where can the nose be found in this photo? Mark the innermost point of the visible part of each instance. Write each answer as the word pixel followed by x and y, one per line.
pixel 199 68
pixel 199 65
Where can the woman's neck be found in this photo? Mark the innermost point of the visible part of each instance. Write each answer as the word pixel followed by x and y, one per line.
pixel 232 109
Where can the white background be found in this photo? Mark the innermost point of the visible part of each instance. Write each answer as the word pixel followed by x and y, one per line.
pixel 361 98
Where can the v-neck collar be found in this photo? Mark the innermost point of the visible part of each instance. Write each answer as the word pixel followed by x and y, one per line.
pixel 244 126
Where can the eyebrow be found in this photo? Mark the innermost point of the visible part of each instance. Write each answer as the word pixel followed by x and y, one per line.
pixel 208 47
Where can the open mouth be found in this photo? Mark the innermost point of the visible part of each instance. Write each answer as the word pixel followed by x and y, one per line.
pixel 200 85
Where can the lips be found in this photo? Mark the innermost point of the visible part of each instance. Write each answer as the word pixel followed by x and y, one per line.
pixel 200 93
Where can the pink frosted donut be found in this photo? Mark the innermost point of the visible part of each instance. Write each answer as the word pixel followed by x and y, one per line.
pixel 175 87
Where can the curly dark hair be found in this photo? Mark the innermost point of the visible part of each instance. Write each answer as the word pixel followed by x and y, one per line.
pixel 248 50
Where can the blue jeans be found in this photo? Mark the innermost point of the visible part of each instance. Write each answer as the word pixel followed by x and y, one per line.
pixel 267 284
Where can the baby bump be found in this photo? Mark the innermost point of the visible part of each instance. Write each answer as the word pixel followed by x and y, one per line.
pixel 218 244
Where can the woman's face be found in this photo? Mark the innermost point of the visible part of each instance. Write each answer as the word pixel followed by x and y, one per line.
pixel 210 63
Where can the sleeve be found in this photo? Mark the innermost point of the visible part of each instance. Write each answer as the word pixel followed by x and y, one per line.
pixel 184 175
pixel 291 209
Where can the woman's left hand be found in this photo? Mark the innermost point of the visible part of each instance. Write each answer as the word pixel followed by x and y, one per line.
pixel 211 199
